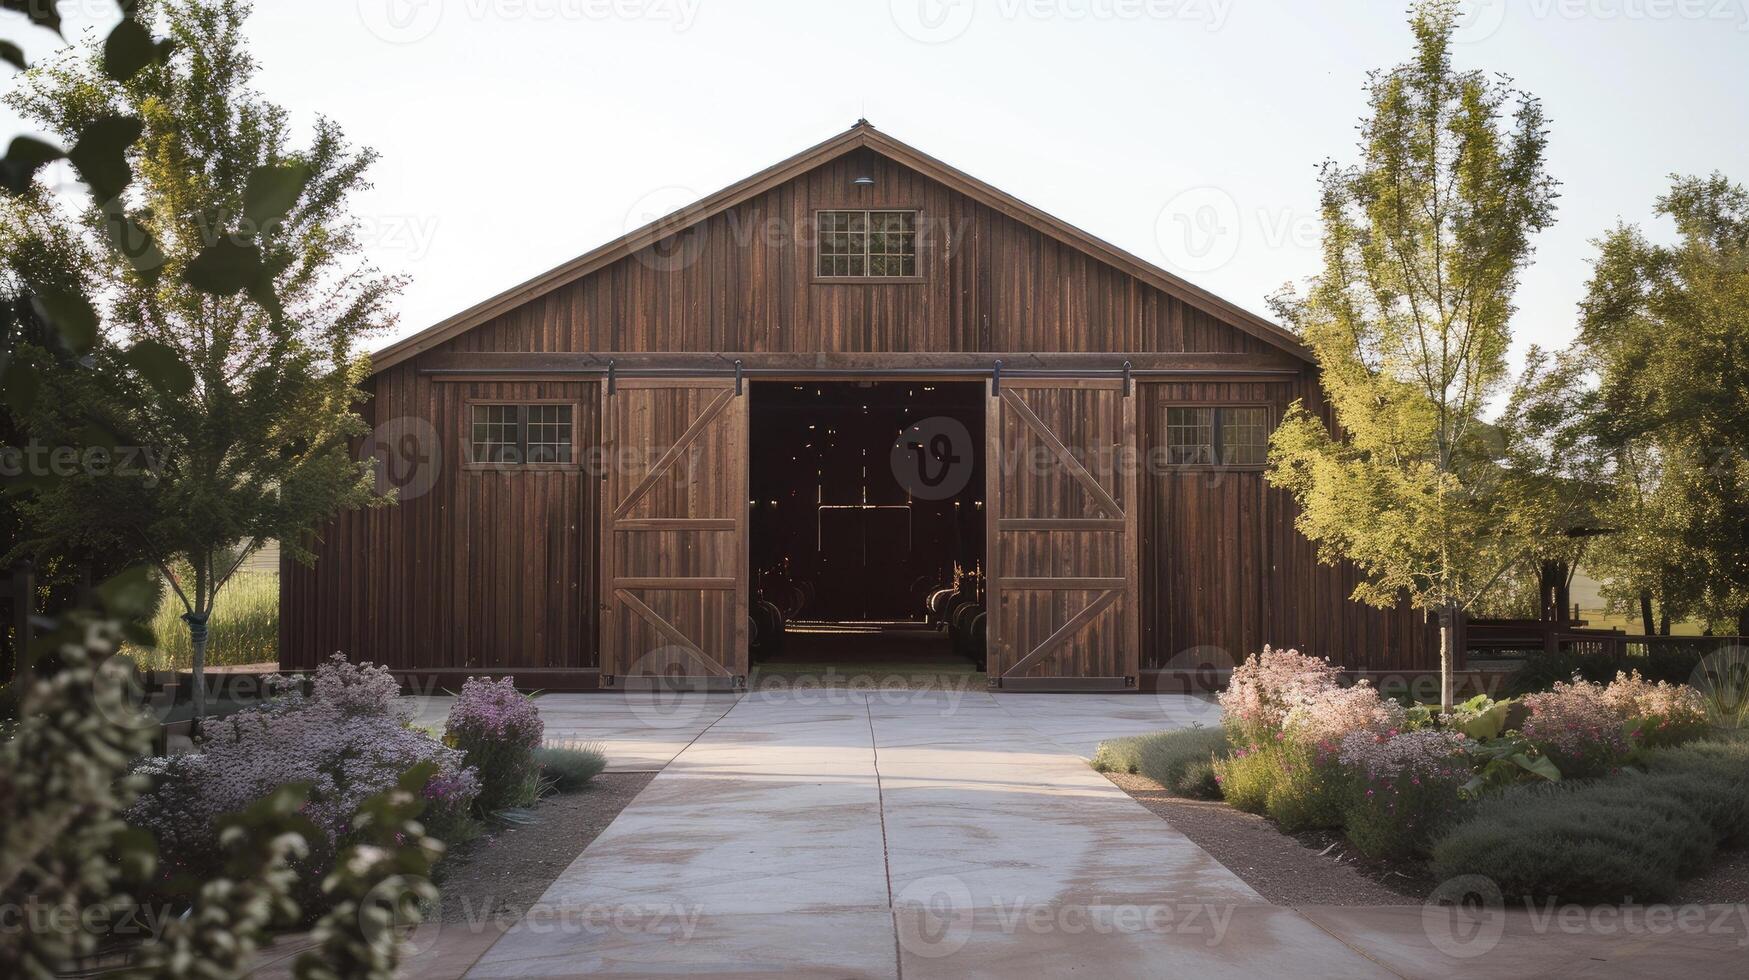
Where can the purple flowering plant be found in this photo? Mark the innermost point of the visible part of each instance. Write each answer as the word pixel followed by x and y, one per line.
pixel 348 739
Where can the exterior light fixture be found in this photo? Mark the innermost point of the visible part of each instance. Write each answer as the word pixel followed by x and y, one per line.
pixel 862 168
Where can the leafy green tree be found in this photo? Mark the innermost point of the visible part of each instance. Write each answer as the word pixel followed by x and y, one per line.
pixel 1665 334
pixel 1423 243
pixel 233 300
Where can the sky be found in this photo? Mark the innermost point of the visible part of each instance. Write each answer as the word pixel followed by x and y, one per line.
pixel 517 134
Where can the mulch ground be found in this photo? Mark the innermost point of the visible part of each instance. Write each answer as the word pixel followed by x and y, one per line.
pixel 1319 868
pixel 501 874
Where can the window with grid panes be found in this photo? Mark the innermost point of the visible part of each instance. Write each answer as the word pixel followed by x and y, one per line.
pixel 1243 434
pixel 1190 436
pixel 495 435
pixel 1222 435
pixel 521 433
pixel 867 244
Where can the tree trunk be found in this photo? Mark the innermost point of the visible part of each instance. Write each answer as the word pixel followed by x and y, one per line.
pixel 1743 621
pixel 197 639
pixel 1664 622
pixel 1646 621
pixel 1447 655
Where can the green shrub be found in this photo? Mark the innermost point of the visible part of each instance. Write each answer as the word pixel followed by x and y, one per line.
pixel 1629 837
pixel 1199 781
pixel 1181 760
pixel 1722 763
pixel 1121 754
pixel 1307 793
pixel 1399 819
pixel 1286 783
pixel 1168 757
pixel 1246 777
pixel 1727 757
pixel 568 768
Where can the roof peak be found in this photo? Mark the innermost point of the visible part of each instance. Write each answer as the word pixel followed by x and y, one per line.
pixel 862 134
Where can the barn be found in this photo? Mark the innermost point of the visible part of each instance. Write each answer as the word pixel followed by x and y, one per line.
pixel 854 380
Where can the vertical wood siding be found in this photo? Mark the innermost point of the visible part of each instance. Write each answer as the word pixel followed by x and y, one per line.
pixel 499 569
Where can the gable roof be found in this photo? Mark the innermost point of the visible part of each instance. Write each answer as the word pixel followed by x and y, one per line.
pixel 858 136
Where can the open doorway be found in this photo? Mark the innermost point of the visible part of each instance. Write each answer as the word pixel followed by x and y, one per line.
pixel 867 527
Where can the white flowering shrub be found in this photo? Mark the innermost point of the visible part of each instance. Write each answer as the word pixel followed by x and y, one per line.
pixel 1323 719
pixel 1267 686
pixel 348 740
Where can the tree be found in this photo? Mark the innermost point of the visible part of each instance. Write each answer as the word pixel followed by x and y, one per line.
pixel 65 757
pixel 1664 332
pixel 231 307
pixel 1423 244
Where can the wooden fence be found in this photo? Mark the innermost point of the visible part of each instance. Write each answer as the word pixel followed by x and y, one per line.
pixel 1516 638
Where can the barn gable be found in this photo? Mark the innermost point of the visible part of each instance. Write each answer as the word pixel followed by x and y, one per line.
pixel 733 273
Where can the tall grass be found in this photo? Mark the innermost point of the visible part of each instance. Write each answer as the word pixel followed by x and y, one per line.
pixel 244 628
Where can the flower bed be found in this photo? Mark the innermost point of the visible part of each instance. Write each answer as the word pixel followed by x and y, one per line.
pixel 348 739
pixel 1521 792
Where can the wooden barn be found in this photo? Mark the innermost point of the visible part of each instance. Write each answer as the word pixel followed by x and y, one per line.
pixel 847 386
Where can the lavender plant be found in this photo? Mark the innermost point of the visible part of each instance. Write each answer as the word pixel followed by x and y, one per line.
pixel 498 728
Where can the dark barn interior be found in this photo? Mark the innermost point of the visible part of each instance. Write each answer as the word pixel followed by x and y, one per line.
pixel 866 500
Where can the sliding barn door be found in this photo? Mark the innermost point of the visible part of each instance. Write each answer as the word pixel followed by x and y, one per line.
pixel 674 534
pixel 1062 535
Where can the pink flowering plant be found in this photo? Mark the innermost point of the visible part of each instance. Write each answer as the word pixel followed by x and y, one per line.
pixel 498 728
pixel 348 740
pixel 1657 714
pixel 1322 720
pixel 1576 727
pixel 1404 785
pixel 1590 729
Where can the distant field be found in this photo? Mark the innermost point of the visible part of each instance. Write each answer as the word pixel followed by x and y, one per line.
pixel 1587 593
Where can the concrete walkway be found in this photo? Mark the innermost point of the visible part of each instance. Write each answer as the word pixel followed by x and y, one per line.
pixel 915 834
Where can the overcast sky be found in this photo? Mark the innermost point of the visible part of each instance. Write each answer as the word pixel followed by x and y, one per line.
pixel 516 134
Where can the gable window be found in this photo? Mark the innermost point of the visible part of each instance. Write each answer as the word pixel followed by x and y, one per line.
pixel 513 434
pixel 1217 435
pixel 866 244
